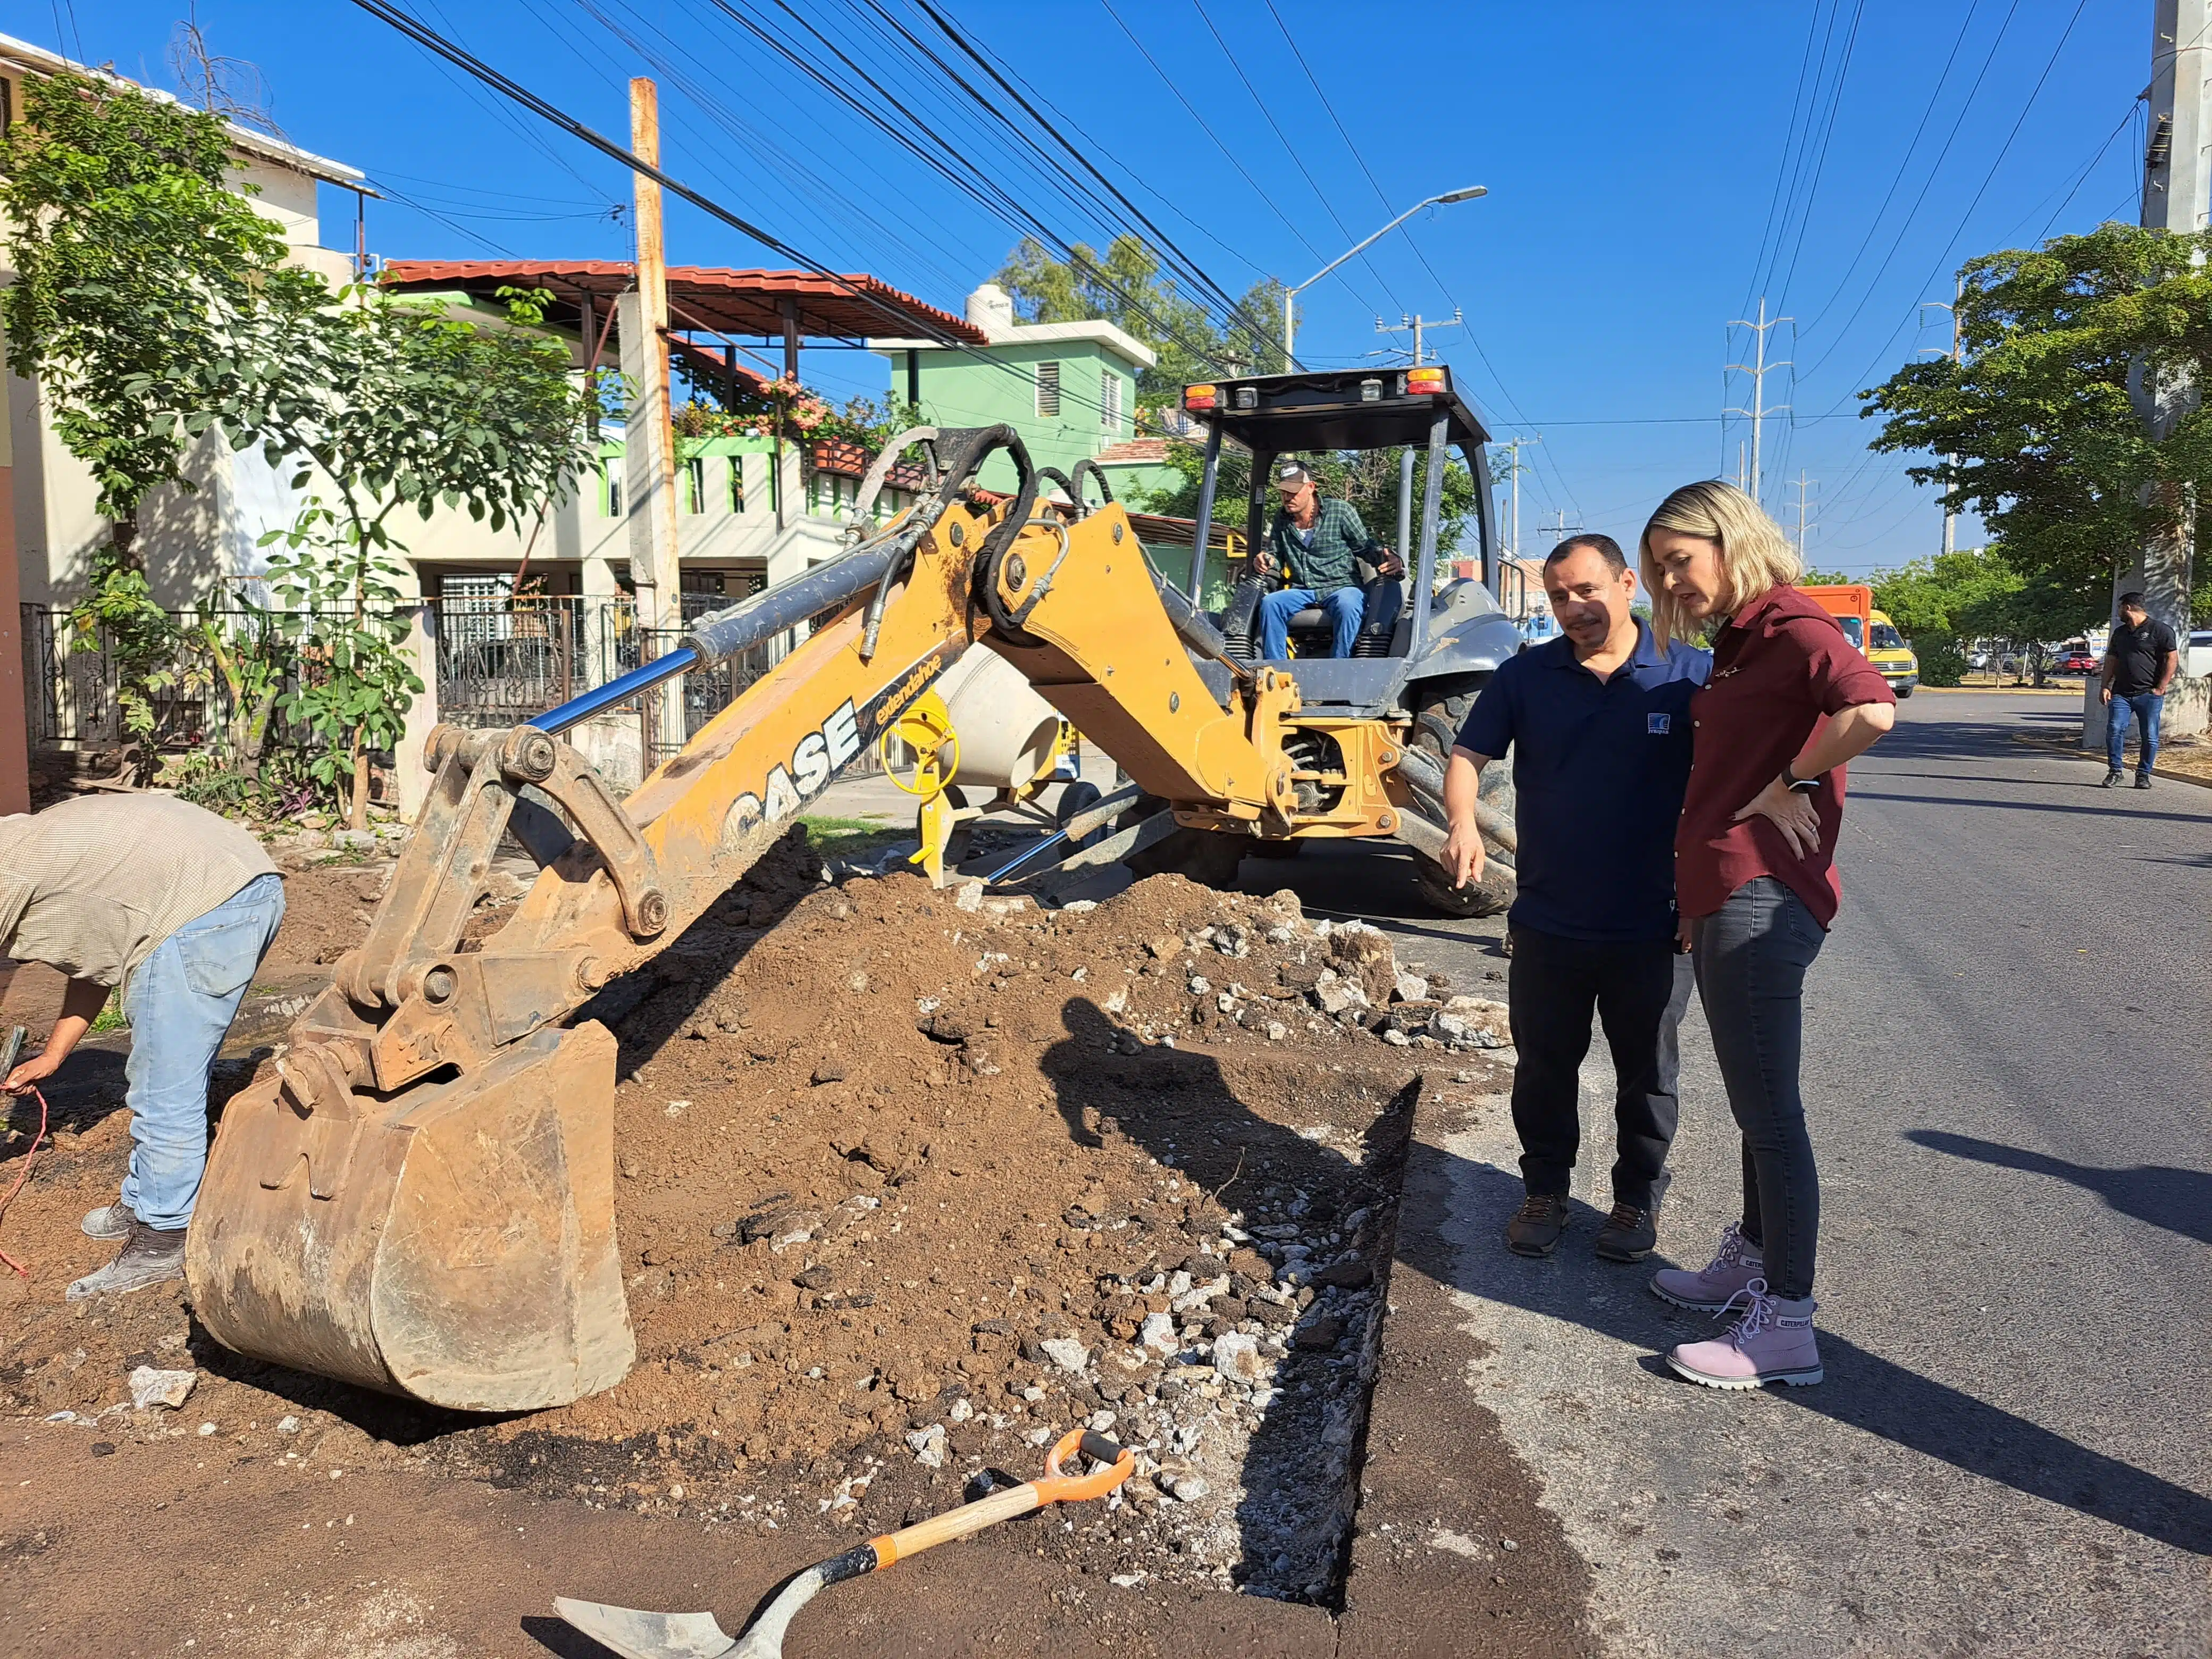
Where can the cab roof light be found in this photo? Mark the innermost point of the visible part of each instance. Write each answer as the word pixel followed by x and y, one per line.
pixel 1248 397
pixel 1200 397
pixel 1420 380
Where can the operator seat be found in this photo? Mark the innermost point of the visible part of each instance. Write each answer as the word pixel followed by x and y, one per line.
pixel 1382 604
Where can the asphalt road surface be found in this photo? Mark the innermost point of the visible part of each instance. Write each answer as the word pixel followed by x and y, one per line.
pixel 2008 1070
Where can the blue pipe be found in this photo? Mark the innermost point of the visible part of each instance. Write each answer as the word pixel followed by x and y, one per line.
pixel 616 691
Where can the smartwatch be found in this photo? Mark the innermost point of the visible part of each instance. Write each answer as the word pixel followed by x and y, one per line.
pixel 1797 785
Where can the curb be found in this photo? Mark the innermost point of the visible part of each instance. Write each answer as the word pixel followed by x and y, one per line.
pixel 2068 750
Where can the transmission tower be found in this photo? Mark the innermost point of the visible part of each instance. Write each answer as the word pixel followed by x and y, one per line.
pixel 1758 368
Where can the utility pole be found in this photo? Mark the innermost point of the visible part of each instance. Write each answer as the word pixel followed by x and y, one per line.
pixel 1950 518
pixel 1415 326
pixel 2176 196
pixel 1804 484
pixel 649 441
pixel 1416 323
pixel 649 433
pixel 1512 448
pixel 1758 368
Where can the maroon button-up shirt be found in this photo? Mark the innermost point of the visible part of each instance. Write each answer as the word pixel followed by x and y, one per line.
pixel 1780 668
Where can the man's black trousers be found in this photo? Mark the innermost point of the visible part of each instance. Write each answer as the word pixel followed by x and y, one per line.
pixel 1637 989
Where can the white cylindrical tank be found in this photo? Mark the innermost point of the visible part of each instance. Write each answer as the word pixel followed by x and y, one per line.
pixel 1005 730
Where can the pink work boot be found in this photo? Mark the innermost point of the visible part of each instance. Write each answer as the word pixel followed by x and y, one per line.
pixel 1723 1278
pixel 1771 1343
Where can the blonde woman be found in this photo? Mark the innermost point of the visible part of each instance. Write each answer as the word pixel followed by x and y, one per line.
pixel 1790 702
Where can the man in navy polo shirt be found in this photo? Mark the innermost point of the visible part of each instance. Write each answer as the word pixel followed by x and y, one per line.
pixel 1598 721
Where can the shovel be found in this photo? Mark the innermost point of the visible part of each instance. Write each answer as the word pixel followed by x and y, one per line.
pixel 636 1635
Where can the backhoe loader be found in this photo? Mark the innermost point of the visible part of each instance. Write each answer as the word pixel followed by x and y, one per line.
pixel 420 1198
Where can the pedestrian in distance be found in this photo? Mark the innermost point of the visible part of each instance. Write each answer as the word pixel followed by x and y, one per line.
pixel 1598 723
pixel 1789 702
pixel 1322 542
pixel 173 908
pixel 2141 659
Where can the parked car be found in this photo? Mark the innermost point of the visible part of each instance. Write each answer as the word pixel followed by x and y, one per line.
pixel 2074 662
pixel 2198 659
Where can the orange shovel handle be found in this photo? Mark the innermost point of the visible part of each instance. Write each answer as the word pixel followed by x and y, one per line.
pixel 971 1518
pixel 1121 1461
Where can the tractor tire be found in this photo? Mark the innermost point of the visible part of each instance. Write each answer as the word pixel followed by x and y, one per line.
pixel 1442 709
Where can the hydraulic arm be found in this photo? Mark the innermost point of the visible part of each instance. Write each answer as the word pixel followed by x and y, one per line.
pixel 420 1200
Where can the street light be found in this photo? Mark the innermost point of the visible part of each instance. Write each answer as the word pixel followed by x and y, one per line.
pixel 1290 315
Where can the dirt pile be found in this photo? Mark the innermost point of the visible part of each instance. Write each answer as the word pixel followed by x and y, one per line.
pixel 910 1182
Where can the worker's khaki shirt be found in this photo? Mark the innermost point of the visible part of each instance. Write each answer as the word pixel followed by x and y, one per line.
pixel 93 885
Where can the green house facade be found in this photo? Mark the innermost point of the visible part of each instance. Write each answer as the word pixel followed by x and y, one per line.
pixel 1070 389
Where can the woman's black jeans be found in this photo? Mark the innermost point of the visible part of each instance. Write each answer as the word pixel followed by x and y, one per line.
pixel 1751 956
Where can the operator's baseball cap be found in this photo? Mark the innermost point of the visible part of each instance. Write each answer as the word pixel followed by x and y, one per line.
pixel 1292 475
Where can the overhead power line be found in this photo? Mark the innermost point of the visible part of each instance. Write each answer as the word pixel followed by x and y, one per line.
pixel 424 36
pixel 1966 217
pixel 1160 237
pixel 1926 185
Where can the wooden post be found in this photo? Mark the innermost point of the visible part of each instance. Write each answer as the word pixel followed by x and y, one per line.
pixel 649 439
pixel 650 444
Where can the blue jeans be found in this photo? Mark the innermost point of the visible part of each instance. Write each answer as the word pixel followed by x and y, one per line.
pixel 1344 607
pixel 2146 706
pixel 1751 956
pixel 182 1000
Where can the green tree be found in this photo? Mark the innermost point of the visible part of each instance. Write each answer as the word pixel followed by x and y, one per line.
pixel 398 406
pixel 149 293
pixel 1124 287
pixel 2045 426
pixel 149 301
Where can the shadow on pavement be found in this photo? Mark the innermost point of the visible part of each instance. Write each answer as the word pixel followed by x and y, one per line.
pixel 1862 1391
pixel 2115 811
pixel 2179 1201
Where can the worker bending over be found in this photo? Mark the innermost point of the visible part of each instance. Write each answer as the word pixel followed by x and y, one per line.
pixel 174 908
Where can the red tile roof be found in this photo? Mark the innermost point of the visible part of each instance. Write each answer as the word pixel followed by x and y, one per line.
pixel 729 302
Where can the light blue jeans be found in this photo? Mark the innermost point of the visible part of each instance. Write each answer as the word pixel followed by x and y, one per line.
pixel 182 1000
pixel 2145 705
pixel 1344 607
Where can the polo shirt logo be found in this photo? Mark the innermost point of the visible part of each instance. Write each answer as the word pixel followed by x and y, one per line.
pixel 1658 724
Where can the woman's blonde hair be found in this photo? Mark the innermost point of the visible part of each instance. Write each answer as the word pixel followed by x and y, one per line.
pixel 1755 555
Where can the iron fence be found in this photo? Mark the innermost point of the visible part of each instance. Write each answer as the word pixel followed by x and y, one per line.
pixel 72 679
pixel 502 658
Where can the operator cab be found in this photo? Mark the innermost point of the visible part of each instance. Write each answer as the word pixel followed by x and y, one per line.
pixel 1306 415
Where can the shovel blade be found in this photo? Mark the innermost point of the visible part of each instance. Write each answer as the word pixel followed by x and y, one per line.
pixel 638 1635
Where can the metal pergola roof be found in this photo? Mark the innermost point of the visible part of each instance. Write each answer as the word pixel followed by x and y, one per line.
pixel 732 302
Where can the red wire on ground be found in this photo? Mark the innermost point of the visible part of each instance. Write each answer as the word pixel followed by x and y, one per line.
pixel 29 1157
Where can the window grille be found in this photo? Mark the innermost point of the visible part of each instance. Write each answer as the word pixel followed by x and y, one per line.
pixel 1110 400
pixel 1048 390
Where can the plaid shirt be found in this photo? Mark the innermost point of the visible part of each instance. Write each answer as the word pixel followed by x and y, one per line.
pixel 1339 539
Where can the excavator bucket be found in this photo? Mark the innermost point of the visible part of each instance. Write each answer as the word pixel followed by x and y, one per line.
pixel 454 1242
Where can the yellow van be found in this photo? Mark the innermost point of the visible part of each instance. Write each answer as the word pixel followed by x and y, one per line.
pixel 1886 650
pixel 1851 603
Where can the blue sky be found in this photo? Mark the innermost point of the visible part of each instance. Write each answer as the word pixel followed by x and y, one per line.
pixel 1652 170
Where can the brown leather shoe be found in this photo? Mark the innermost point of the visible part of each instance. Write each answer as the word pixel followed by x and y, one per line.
pixel 1537 1224
pixel 1629 1234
